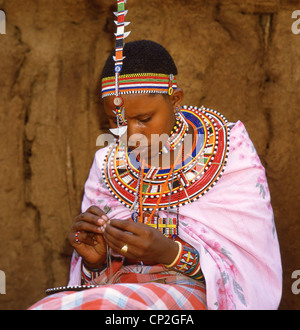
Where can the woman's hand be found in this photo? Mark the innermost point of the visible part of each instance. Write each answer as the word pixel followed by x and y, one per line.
pixel 91 246
pixel 143 242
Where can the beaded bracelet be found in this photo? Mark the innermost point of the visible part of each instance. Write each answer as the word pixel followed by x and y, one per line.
pixel 187 262
pixel 88 274
pixel 177 257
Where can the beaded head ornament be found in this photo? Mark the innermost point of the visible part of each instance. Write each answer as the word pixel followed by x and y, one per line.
pixel 130 83
pixel 118 58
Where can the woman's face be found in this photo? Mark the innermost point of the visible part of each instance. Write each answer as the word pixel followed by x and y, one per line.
pixel 148 117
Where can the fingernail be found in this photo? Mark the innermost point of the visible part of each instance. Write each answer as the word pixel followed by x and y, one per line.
pixel 101 221
pixel 104 217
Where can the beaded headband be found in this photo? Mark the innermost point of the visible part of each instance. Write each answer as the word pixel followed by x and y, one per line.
pixel 139 83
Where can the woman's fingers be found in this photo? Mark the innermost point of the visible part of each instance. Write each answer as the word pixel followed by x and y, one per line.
pixel 93 215
pixel 123 232
pixel 97 211
pixel 143 242
pixel 120 232
pixel 131 250
pixel 128 226
pixel 91 221
pixel 87 226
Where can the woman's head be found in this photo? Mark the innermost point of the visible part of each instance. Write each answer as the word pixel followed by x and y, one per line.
pixel 147 85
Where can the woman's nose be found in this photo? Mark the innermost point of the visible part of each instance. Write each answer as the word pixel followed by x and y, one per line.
pixel 136 135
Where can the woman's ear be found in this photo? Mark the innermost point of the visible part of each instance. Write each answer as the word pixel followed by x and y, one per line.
pixel 177 98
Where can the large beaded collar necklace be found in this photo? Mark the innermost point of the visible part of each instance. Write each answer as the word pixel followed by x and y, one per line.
pixel 191 178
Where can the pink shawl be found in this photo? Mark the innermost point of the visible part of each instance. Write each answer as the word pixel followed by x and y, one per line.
pixel 232 227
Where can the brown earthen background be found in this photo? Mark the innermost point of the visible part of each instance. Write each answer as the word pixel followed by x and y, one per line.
pixel 238 57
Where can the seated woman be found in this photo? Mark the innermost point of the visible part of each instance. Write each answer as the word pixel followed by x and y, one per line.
pixel 176 212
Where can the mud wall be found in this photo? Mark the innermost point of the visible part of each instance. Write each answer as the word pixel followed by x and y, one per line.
pixel 238 57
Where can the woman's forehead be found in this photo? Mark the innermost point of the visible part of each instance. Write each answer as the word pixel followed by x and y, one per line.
pixel 136 104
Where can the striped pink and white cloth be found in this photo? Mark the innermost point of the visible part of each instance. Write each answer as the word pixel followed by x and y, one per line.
pixel 132 287
pixel 128 296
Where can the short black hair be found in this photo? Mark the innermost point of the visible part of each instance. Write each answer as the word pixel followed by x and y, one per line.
pixel 142 56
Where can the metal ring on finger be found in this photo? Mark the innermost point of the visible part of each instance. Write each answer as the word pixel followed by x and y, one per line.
pixel 124 248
